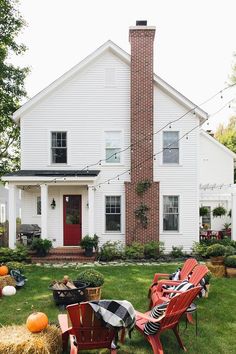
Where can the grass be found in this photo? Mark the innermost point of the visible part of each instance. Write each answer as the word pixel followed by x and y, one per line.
pixel 216 314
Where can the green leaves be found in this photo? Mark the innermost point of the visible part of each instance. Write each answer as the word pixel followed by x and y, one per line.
pixel 11 85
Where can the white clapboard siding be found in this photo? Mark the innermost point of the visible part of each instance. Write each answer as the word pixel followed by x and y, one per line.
pixel 216 164
pixel 84 107
pixel 183 179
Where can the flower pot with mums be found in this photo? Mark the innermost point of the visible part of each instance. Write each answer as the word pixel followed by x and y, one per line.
pixel 216 253
pixel 230 265
pixel 95 280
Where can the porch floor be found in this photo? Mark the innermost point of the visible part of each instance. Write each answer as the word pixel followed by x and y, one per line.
pixel 64 255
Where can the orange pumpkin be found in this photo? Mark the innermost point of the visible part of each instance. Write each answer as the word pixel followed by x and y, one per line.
pixel 36 322
pixel 3 270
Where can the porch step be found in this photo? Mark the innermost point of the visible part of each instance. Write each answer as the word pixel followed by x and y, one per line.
pixel 63 255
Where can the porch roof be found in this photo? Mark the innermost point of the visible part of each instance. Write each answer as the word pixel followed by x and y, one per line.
pixel 53 173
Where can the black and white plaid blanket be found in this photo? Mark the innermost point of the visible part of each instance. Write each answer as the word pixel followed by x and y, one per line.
pixel 115 313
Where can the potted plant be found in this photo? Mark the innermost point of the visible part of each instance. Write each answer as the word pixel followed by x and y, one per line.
pixel 88 243
pixel 216 253
pixel 95 280
pixel 219 211
pixel 41 246
pixel 230 266
pixel 203 211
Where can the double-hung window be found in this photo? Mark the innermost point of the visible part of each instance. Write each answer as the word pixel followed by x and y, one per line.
pixel 170 213
pixel 170 147
pixel 113 213
pixel 206 219
pixel 59 147
pixel 113 146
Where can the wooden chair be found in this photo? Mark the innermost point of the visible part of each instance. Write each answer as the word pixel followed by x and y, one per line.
pixel 175 309
pixel 84 331
pixel 187 268
pixel 162 295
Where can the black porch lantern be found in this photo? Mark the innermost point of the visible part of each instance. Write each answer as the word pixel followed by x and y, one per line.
pixel 53 204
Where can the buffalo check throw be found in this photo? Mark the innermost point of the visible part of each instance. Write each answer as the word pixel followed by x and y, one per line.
pixel 115 313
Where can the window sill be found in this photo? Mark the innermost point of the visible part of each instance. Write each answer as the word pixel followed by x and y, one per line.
pixel 171 232
pixel 112 164
pixel 58 165
pixel 170 165
pixel 113 233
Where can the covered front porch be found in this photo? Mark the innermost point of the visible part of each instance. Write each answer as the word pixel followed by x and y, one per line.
pixel 60 202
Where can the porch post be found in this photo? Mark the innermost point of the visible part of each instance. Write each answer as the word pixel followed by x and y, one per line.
pixel 233 215
pixel 12 215
pixel 91 210
pixel 44 210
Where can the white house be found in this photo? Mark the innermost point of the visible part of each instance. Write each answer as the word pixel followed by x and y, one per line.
pixel 217 181
pixel 90 138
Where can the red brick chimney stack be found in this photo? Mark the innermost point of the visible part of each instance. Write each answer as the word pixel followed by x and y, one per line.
pixel 141 39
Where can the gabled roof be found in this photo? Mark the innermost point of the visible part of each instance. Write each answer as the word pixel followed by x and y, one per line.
pixel 217 143
pixel 115 49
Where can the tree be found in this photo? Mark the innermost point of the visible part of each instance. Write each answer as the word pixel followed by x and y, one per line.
pixel 227 136
pixel 11 84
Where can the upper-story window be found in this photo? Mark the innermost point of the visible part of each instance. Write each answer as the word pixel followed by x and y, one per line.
pixel 113 146
pixel 170 147
pixel 59 147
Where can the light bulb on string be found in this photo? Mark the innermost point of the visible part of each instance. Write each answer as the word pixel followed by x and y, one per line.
pixel 221 95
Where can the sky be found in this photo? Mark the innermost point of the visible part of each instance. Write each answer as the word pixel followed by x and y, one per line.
pixel 193 49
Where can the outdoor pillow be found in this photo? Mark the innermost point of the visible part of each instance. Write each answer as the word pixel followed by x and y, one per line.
pixel 175 275
pixel 183 286
pixel 151 328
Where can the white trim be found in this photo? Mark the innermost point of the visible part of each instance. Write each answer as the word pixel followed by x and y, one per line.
pixel 124 56
pixel 216 142
pixel 61 180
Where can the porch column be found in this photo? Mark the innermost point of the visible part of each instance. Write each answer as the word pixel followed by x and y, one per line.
pixel 12 215
pixel 233 215
pixel 91 211
pixel 44 210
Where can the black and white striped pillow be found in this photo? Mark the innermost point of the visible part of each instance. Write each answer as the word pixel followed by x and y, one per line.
pixel 151 328
pixel 184 286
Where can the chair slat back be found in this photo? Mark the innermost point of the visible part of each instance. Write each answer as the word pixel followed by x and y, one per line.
pixel 187 268
pixel 177 307
pixel 198 273
pixel 87 328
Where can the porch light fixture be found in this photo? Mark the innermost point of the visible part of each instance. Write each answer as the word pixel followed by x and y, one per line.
pixel 53 204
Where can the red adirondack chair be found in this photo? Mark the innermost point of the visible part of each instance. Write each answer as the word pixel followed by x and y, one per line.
pixel 187 268
pixel 85 330
pixel 175 309
pixel 161 295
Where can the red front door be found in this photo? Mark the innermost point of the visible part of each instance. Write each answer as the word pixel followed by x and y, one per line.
pixel 72 219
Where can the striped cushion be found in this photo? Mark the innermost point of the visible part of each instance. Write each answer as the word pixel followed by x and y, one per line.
pixel 184 286
pixel 151 328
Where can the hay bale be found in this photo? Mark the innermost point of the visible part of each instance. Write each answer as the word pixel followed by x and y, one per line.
pixel 7 280
pixel 217 270
pixel 19 340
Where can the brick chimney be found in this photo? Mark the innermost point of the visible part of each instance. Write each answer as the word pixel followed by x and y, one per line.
pixel 145 227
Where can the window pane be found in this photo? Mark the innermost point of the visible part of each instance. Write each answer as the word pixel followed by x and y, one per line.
pixel 170 147
pixel 113 215
pixel 112 222
pixel 59 150
pixel 38 205
pixel 206 219
pixel 112 155
pixel 170 213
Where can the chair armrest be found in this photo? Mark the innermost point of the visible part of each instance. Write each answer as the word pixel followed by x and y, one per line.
pixel 148 318
pixel 159 275
pixel 63 322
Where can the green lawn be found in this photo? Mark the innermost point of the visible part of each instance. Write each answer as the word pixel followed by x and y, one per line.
pixel 216 315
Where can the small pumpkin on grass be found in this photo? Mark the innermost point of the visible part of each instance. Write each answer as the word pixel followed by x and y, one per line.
pixel 36 322
pixel 3 270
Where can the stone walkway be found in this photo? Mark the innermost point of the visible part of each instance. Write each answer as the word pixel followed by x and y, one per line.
pixel 100 264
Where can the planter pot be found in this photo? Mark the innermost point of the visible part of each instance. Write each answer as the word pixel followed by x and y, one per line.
pixel 41 253
pixel 88 252
pixel 217 260
pixel 93 293
pixel 231 272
